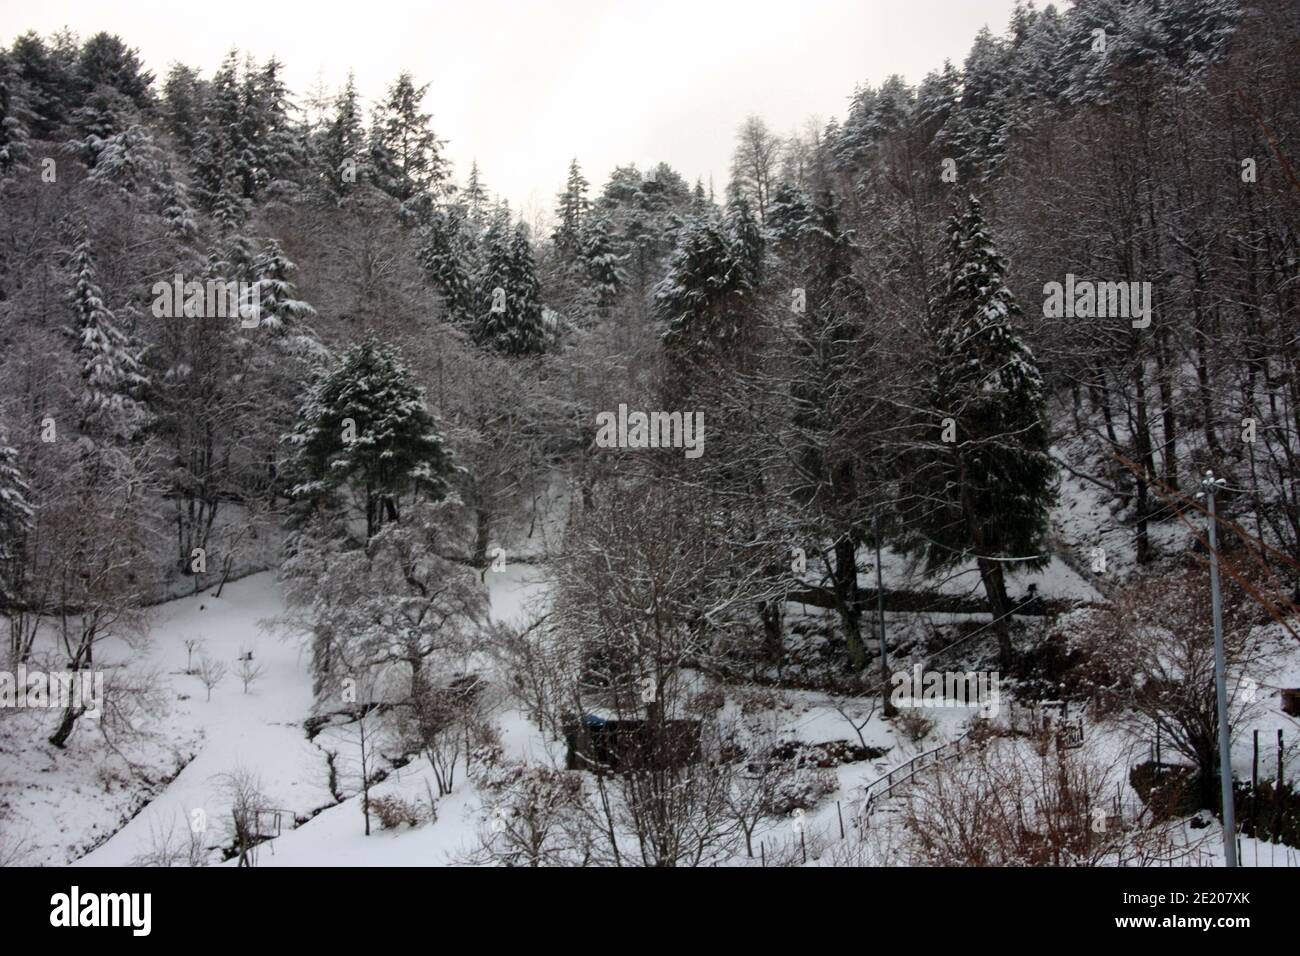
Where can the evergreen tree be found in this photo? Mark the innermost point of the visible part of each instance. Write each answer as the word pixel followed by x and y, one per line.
pixel 14 150
pixel 183 106
pixel 603 264
pixel 271 141
pixel 407 156
pixel 508 303
pixel 111 372
pixel 571 212
pixel 937 101
pixel 788 214
pixel 107 61
pixel 746 237
pixel 49 75
pixel 475 196
pixel 278 310
pixel 524 303
pixel 447 254
pixel 986 494
pixel 15 518
pixel 363 428
pixel 701 298
pixel 222 165
pixel 341 162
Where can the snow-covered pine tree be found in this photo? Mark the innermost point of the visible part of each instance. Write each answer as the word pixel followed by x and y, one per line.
pixel 363 428
pixel 526 334
pixel 49 74
pixel 341 158
pixel 702 295
pixel 279 312
pixel 788 213
pixel 15 515
pixel 13 126
pixel 111 372
pixel 475 196
pixel 183 106
pixel 448 257
pixel 221 162
pixel 984 492
pixel 745 236
pixel 492 284
pixel 937 100
pixel 104 113
pixel 106 61
pixel 279 145
pixel 603 264
pixel 571 212
pixel 978 124
pixel 130 160
pixel 406 155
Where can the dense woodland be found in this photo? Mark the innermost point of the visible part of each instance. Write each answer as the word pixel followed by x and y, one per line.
pixel 857 313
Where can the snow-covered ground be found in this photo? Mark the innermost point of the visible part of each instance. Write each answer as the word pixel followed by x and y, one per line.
pixel 67 807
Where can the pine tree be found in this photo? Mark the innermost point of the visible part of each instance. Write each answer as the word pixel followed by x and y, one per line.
pixel 986 494
pixel 183 106
pixel 271 140
pixel 407 156
pixel 278 310
pixel 106 61
pixel 104 113
pixel 475 195
pixel 604 267
pixel 788 215
pixel 492 285
pixel 129 160
pixel 14 137
pixel 15 518
pixel 702 295
pixel 571 212
pixel 523 297
pixel 448 256
pixel 110 365
pixel 977 128
pixel 363 427
pixel 746 237
pixel 937 101
pixel 49 75
pixel 221 162
pixel 507 302
pixel 340 150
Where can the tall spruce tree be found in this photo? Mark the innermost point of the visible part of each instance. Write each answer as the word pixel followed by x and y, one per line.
pixel 111 373
pixel 363 429
pixel 571 212
pixel 982 482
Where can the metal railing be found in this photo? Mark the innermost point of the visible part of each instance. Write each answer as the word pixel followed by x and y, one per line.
pixel 882 787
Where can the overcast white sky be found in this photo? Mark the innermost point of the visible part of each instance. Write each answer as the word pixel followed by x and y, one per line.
pixel 524 86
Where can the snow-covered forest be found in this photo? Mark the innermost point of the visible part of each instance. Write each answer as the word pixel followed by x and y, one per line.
pixel 851 510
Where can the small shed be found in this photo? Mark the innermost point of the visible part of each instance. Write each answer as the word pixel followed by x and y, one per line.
pixel 618 745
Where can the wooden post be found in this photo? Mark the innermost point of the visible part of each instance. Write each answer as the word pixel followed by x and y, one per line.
pixel 1254 787
pixel 1277 794
pixel 840 811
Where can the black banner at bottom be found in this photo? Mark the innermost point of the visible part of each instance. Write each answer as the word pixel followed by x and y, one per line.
pixel 139 906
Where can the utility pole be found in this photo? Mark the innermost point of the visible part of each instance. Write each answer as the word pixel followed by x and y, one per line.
pixel 888 706
pixel 1210 485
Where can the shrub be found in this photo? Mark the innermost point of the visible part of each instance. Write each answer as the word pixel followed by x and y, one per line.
pixel 392 811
